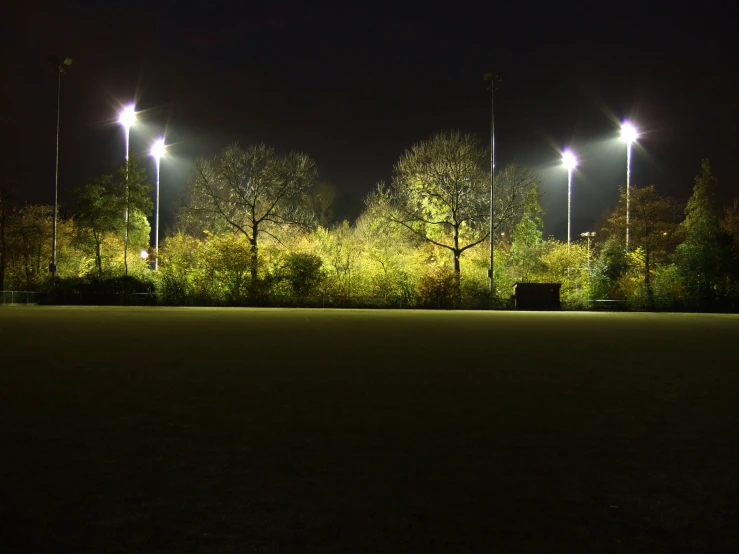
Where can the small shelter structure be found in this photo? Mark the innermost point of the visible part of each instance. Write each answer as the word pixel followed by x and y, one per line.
pixel 537 296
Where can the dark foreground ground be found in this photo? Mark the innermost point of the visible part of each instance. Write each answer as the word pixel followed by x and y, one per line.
pixel 239 430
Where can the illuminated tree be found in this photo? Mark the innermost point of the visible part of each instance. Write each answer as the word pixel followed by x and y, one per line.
pixel 254 192
pixel 527 244
pixel 704 258
pixel 516 193
pixel 654 220
pixel 303 273
pixel 30 245
pixel 566 264
pixel 99 214
pixel 179 269
pixel 341 254
pixel 440 193
pixel 393 260
pixel 730 225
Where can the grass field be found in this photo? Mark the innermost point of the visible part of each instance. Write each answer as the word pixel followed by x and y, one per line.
pixel 247 430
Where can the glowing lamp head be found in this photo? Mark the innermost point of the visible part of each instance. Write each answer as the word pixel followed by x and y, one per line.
pixel 127 117
pixel 569 160
pixel 144 254
pixel 628 133
pixel 157 149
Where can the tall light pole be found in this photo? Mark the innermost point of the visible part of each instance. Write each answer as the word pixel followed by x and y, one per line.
pixel 157 151
pixel 59 67
pixel 126 118
pixel 570 162
pixel 629 136
pixel 494 81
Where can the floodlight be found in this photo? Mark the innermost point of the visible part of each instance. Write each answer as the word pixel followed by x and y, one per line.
pixel 158 149
pixel 628 133
pixel 569 160
pixel 128 116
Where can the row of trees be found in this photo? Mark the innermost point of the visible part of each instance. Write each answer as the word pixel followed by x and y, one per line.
pixel 252 229
pixel 108 224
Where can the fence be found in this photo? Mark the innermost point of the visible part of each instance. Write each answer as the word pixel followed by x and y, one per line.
pixel 90 298
pixel 9 297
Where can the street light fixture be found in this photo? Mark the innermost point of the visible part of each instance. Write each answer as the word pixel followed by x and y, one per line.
pixel 157 151
pixel 570 162
pixel 59 67
pixel 629 135
pixel 127 118
pixel 588 235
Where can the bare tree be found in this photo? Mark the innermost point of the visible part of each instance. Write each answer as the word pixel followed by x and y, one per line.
pixel 516 192
pixel 440 193
pixel 253 191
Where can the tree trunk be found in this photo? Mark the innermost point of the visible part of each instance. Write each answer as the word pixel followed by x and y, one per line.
pixel 455 251
pixel 98 258
pixel 125 248
pixel 254 264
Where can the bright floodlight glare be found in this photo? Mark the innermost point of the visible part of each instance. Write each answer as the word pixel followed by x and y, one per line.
pixel 628 133
pixel 128 116
pixel 144 254
pixel 157 149
pixel 569 160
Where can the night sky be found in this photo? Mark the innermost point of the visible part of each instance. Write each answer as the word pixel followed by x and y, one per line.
pixel 354 87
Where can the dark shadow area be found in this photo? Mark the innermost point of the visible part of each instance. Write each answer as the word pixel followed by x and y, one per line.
pixel 251 430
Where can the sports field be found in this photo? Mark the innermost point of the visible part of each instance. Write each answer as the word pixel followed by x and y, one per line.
pixel 248 430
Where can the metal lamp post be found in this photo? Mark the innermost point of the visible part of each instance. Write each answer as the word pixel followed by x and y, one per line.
pixel 127 118
pixel 494 81
pixel 157 151
pixel 629 136
pixel 570 162
pixel 59 67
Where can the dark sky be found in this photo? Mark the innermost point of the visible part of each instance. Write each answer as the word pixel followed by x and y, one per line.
pixel 354 87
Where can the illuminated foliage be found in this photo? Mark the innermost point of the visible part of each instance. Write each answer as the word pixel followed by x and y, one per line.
pixel 253 191
pixel 99 215
pixel 303 273
pixel 248 237
pixel 439 193
pixel 653 223
pixel 527 243
pixel 705 258
pixel 132 193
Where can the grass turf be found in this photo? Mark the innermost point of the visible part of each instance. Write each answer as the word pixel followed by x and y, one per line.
pixel 247 430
